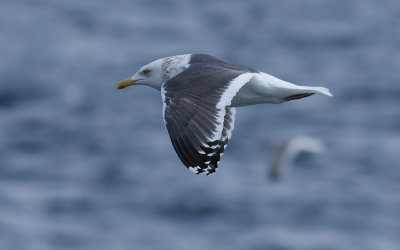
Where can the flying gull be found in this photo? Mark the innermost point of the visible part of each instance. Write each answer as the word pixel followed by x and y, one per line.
pixel 200 93
pixel 290 150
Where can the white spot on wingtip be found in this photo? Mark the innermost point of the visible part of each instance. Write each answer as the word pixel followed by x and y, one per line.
pixel 193 170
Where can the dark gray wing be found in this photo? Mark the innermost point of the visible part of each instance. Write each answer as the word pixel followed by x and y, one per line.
pixel 196 111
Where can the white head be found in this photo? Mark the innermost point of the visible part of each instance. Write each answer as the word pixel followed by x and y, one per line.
pixel 157 72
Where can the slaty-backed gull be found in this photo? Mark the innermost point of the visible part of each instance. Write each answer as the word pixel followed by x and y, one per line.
pixel 200 93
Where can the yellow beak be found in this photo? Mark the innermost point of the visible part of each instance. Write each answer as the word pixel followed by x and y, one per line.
pixel 126 83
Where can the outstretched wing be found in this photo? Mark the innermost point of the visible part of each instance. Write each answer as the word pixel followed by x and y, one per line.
pixel 197 113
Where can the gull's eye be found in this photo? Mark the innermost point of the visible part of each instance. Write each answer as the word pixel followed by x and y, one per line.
pixel 146 72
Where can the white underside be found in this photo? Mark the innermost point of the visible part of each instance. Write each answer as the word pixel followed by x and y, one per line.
pixel 264 88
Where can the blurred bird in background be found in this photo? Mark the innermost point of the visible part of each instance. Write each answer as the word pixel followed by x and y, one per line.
pixel 287 153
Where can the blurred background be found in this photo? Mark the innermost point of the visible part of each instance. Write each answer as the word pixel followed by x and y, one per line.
pixel 84 166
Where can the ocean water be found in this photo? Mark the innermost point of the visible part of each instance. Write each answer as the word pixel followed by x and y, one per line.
pixel 84 166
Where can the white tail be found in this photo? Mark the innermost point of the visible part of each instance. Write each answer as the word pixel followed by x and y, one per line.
pixel 299 92
pixel 264 88
pixel 319 90
pixel 289 91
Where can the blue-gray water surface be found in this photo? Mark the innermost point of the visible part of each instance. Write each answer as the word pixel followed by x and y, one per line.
pixel 84 166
